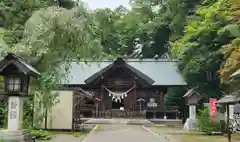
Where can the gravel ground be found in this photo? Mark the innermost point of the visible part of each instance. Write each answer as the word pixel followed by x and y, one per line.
pixel 123 133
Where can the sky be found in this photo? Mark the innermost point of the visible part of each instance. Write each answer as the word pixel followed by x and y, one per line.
pixel 93 4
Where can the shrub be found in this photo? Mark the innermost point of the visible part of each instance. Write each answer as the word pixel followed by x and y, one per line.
pixel 40 134
pixel 206 124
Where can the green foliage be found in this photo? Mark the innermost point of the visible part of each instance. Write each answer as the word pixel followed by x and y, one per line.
pixel 15 13
pixel 112 37
pixel 76 134
pixel 146 22
pixel 40 134
pixel 67 3
pixel 175 96
pixel 1 139
pixel 231 51
pixel 3 112
pixel 50 37
pixel 56 36
pixel 205 123
pixel 47 135
pixel 199 48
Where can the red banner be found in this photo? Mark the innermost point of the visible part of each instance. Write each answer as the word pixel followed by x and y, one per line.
pixel 213 107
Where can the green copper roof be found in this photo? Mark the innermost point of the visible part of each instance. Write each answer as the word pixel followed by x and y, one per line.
pixel 163 72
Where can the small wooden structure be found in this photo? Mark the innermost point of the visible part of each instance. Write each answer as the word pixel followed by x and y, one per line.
pixel 226 101
pixel 83 101
pixel 193 97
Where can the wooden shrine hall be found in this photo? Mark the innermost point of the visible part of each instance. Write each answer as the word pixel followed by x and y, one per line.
pixel 131 88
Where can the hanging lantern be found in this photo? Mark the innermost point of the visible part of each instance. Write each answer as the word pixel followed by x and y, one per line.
pixel 109 95
pixel 125 94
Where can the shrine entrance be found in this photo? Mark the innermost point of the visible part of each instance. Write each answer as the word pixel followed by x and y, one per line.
pixel 117 104
pixel 118 109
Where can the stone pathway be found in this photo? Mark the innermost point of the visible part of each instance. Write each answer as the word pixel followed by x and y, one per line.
pixel 122 133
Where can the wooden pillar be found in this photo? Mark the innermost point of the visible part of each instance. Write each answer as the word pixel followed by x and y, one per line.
pixel 101 102
pixel 134 97
pixel 134 102
pixel 161 95
pixel 228 123
pixel 97 109
pixel 130 100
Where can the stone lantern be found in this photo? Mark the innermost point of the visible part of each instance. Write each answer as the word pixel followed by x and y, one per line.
pixel 193 97
pixel 16 73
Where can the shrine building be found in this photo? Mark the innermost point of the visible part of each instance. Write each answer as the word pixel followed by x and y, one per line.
pixel 125 88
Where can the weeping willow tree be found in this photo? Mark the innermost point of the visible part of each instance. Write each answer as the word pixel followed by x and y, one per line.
pixel 56 36
pixel 51 38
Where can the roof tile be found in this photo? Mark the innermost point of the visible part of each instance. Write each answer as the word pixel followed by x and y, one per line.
pixel 163 72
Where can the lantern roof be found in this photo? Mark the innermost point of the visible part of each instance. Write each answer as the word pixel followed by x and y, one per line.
pixel 235 74
pixel 191 92
pixel 229 99
pixel 18 62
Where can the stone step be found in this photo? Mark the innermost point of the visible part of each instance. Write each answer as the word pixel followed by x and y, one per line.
pixel 118 121
pixel 167 121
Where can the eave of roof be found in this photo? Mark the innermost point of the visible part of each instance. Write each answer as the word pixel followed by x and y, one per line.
pixel 229 99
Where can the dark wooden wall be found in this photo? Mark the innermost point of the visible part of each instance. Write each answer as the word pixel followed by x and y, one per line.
pixel 131 101
pixel 120 80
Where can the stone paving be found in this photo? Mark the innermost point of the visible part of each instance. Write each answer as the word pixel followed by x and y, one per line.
pixel 113 133
pixel 123 133
pixel 119 121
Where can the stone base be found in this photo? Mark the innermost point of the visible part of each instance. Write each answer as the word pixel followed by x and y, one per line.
pixel 190 124
pixel 15 136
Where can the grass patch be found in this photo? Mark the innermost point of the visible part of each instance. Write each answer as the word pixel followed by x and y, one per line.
pixel 201 138
pixel 168 127
pixel 75 134
pixel 204 138
pixel 194 137
pixel 48 134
